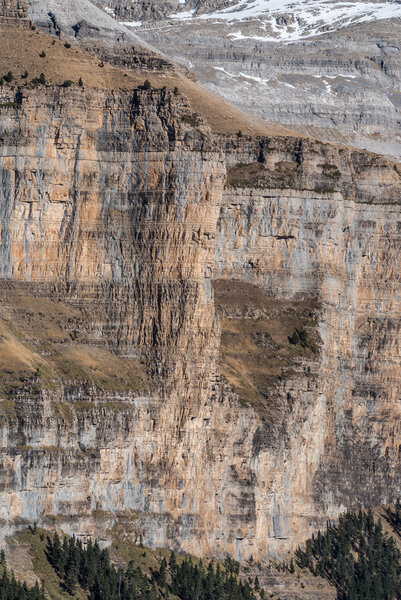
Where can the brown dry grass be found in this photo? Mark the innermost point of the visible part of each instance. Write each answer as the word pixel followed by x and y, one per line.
pixel 222 116
pixel 20 50
pixel 255 351
pixel 41 342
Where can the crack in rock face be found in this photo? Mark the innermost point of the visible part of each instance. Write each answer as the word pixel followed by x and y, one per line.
pixel 197 328
pixel 199 331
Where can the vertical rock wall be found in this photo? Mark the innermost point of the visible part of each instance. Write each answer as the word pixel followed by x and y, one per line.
pixel 13 9
pixel 111 205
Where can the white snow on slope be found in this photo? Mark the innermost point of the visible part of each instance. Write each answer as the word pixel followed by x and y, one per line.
pixel 292 20
pixel 131 23
pixel 183 16
pixel 325 80
pixel 242 76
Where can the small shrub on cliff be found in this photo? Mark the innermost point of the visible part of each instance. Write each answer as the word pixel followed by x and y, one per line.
pixel 9 78
pixel 300 336
pixel 25 75
pixel 67 83
pixel 41 80
pixel 42 54
pixel 294 339
pixel 80 82
pixel 67 45
pixel 175 91
pixel 146 85
pixel 192 120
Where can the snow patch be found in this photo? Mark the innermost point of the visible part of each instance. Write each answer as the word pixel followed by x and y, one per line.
pixel 292 20
pixel 243 76
pixel 225 72
pixel 131 23
pixel 183 16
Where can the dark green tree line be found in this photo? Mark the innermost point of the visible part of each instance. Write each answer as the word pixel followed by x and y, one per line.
pixel 357 557
pixel 11 589
pixel 90 568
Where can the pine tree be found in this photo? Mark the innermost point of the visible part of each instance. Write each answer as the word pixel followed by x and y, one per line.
pixel 162 576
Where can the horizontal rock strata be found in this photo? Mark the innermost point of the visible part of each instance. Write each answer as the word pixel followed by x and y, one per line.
pixel 253 287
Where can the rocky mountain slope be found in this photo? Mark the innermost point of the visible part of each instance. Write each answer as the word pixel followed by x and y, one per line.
pixel 200 323
pixel 329 69
pixel 287 20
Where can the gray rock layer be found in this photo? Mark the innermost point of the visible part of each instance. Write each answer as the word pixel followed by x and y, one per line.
pixel 343 85
pixel 112 205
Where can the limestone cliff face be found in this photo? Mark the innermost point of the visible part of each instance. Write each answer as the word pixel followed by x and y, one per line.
pixel 13 9
pixel 255 283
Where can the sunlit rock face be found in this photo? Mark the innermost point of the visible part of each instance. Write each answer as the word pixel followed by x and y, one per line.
pixel 199 333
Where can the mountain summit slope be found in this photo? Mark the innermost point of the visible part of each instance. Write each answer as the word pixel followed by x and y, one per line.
pixel 283 20
pixel 329 69
pixel 69 17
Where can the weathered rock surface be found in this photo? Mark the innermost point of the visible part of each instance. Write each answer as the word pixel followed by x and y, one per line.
pixel 91 27
pixel 13 9
pixel 114 206
pixel 200 333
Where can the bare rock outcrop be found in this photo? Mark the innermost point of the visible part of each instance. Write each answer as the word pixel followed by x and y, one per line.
pixel 13 9
pixel 128 233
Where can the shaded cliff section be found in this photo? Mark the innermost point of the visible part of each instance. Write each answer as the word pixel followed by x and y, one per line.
pixel 209 355
pixel 337 243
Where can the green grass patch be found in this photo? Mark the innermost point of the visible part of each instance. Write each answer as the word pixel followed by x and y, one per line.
pixel 191 119
pixel 42 568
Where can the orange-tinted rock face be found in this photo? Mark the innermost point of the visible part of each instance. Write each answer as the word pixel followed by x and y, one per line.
pixel 13 9
pixel 116 210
